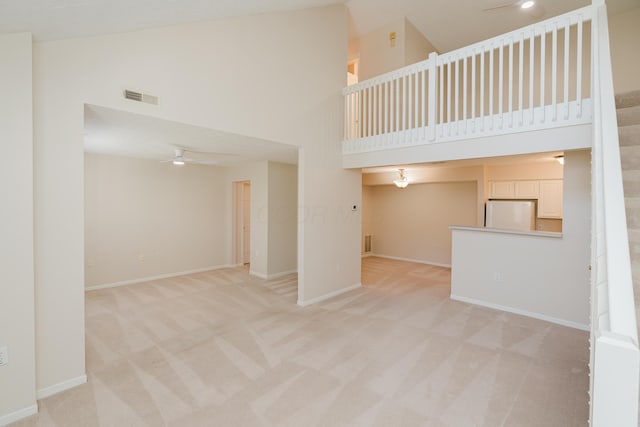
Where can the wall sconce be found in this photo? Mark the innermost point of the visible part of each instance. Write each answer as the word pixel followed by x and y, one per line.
pixel 559 158
pixel 401 182
pixel 392 39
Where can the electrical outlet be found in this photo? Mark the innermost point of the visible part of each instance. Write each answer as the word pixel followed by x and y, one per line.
pixel 4 355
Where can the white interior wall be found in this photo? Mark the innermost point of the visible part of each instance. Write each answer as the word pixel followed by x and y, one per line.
pixel 144 219
pixel 624 39
pixel 546 276
pixel 413 223
pixel 17 378
pixel 206 84
pixel 283 219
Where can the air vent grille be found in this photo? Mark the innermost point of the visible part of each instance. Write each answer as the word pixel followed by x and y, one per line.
pixel 140 97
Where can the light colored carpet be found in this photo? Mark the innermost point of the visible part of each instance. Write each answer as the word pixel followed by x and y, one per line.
pixel 226 349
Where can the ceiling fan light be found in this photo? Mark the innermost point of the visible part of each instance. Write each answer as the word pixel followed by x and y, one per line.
pixel 527 4
pixel 401 182
pixel 178 162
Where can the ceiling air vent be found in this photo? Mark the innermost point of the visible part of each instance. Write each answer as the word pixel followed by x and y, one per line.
pixel 140 97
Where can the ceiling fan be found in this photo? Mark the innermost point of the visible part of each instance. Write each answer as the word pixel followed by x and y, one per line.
pixel 179 159
pixel 530 7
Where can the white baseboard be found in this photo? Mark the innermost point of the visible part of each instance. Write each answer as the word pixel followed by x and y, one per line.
pixel 18 415
pixel 60 387
pixel 302 303
pixel 513 310
pixel 367 255
pixel 272 276
pixel 158 277
pixel 258 275
pixel 417 261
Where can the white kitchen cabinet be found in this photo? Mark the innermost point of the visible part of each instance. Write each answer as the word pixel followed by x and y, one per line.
pixel 526 189
pixel 501 190
pixel 550 200
pixel 513 189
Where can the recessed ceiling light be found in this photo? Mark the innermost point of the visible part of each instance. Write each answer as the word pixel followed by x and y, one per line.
pixel 528 4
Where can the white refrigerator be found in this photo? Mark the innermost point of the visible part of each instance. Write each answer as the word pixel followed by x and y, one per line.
pixel 511 214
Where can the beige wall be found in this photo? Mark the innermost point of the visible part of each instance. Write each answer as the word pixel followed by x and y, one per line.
pixel 624 39
pixel 144 218
pixel 206 84
pixel 524 171
pixel 17 379
pixel 376 54
pixel 283 216
pixel 438 174
pixel 413 223
pixel 417 47
pixel 545 276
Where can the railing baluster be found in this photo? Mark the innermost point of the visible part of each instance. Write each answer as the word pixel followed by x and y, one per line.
pixel 457 95
pixel 425 93
pixel 473 88
pixel 374 110
pixel 441 77
pixel 416 93
pixel 369 108
pixel 579 69
pixel 404 102
pixel 567 29
pixel 511 81
pixel 363 116
pixel 397 84
pixel 409 101
pixel 464 92
pixel 532 39
pixel 501 84
pixel 554 71
pixel 433 67
pixel 520 76
pixel 387 110
pixel 346 117
pixel 449 107
pixel 491 87
pixel 543 37
pixel 482 96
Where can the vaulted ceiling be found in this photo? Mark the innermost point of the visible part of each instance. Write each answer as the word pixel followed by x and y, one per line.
pixel 448 24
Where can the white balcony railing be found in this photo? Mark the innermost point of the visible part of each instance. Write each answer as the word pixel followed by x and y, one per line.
pixel 614 339
pixel 534 78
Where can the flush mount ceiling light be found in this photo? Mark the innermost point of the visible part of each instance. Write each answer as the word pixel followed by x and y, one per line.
pixel 559 158
pixel 401 182
pixel 527 4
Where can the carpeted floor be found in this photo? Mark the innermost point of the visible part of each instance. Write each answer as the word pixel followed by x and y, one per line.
pixel 225 349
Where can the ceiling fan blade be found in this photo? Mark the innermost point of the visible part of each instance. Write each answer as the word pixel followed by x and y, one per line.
pixel 502 6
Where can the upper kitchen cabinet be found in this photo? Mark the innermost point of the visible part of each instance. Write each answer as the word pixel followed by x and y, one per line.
pixel 550 200
pixel 514 189
pixel 501 189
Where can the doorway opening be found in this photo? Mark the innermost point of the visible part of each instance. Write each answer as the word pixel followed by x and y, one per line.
pixel 242 222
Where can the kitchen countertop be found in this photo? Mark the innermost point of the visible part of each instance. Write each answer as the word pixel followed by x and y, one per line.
pixel 532 233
